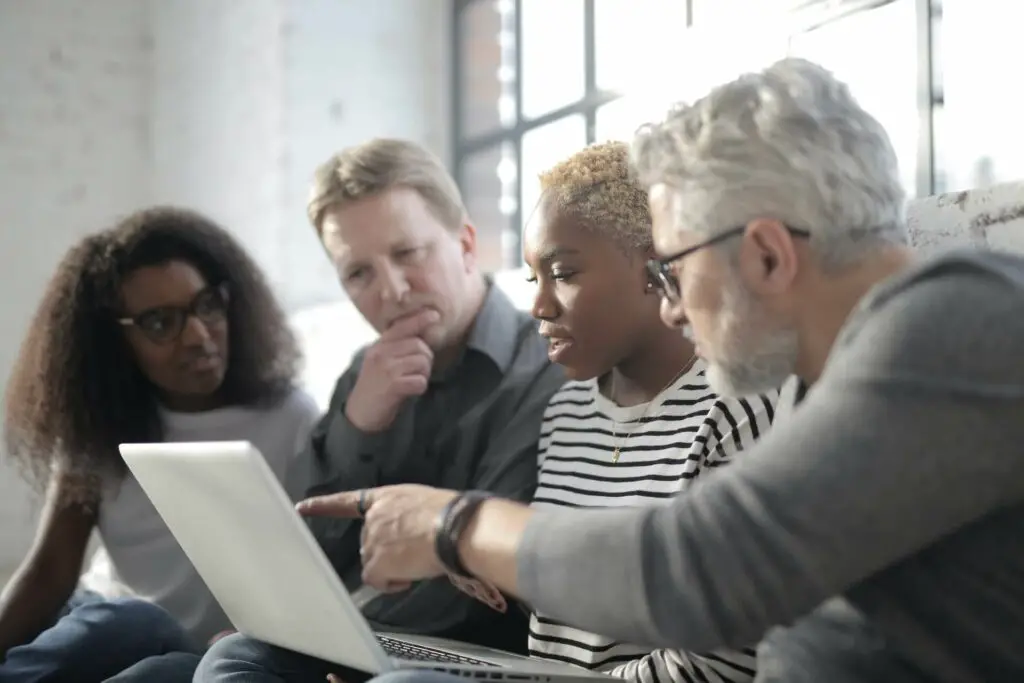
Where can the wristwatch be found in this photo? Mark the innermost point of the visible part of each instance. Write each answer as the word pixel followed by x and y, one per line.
pixel 451 523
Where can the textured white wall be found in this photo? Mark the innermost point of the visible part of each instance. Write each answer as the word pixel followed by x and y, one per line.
pixel 217 125
pixel 354 69
pixel 250 96
pixel 991 217
pixel 108 105
pixel 74 151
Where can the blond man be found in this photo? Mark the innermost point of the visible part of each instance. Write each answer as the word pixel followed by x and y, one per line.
pixel 451 394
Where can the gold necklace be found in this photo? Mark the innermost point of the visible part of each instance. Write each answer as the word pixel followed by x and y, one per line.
pixel 639 421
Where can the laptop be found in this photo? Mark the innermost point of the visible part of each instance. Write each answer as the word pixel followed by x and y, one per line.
pixel 236 524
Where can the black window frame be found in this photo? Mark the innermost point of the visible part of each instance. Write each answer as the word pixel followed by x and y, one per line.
pixel 928 86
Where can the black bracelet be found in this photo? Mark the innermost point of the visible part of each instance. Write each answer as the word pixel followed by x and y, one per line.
pixel 452 521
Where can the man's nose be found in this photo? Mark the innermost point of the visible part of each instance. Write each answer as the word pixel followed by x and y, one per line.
pixel 394 284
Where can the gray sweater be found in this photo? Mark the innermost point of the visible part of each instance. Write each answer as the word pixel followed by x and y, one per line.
pixel 877 535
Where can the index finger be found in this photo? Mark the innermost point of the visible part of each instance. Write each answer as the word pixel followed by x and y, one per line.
pixel 344 505
pixel 411 325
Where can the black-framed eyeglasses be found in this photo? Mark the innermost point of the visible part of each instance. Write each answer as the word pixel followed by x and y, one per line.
pixel 663 276
pixel 165 324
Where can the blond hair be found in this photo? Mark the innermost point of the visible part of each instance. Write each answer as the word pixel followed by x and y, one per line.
pixel 598 187
pixel 379 165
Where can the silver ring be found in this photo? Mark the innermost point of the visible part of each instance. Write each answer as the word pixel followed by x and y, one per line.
pixel 362 506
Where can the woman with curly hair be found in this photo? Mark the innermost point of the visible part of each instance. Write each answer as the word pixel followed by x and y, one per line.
pixel 159 329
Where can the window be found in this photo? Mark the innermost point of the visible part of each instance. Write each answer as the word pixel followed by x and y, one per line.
pixel 543 148
pixel 978 112
pixel 885 84
pixel 636 42
pixel 724 13
pixel 486 66
pixel 488 189
pixel 619 120
pixel 554 74
pixel 537 79
pixel 530 78
pixel 724 55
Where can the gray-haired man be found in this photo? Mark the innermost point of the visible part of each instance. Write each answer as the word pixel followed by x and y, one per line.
pixel 875 536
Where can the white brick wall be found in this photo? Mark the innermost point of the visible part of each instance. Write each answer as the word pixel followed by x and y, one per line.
pixel 355 69
pixel 250 96
pixel 217 115
pixel 74 78
pixel 225 105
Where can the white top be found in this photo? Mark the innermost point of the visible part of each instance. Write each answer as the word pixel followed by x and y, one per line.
pixel 140 557
pixel 682 435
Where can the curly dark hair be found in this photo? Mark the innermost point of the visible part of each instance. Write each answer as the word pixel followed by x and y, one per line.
pixel 75 392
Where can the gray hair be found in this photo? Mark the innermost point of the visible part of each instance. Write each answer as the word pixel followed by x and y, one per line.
pixel 788 143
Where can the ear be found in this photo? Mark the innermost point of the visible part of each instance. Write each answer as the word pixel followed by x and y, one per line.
pixel 467 242
pixel 768 256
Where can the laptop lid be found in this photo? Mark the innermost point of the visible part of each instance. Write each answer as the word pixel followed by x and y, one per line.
pixel 238 527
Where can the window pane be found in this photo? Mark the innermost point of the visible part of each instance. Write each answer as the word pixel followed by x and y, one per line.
pixel 631 37
pixel 977 138
pixel 886 84
pixel 488 186
pixel 620 119
pixel 543 148
pixel 731 14
pixel 723 53
pixel 487 90
pixel 554 74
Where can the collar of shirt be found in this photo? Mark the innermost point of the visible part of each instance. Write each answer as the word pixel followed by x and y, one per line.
pixel 495 331
pixel 494 335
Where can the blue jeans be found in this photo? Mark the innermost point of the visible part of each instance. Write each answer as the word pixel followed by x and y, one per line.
pixel 240 659
pixel 96 639
pixel 171 667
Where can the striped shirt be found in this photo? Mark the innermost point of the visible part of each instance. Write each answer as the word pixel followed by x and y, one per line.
pixel 683 434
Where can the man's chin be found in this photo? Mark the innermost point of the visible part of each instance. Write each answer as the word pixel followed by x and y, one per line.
pixel 436 338
pixel 720 381
pixel 737 383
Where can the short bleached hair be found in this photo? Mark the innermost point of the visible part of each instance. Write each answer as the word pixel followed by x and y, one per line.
pixel 597 187
pixel 789 143
pixel 379 165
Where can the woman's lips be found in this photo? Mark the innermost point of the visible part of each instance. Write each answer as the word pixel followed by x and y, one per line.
pixel 558 347
pixel 205 364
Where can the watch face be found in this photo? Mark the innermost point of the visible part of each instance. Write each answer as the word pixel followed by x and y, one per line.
pixel 482 591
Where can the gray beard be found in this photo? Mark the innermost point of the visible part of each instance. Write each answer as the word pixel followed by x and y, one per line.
pixel 757 356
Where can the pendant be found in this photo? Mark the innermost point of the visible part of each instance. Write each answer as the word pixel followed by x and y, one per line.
pixel 615 455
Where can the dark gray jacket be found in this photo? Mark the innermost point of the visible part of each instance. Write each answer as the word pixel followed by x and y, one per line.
pixel 477 428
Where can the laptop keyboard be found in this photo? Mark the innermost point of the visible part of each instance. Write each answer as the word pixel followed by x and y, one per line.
pixel 400 649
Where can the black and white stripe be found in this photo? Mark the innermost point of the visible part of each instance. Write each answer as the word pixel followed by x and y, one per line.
pixel 683 434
